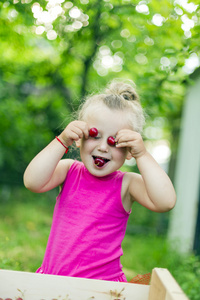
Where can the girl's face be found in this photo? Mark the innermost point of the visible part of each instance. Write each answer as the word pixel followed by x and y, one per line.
pixel 108 122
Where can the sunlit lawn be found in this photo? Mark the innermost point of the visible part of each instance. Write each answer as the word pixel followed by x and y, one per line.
pixel 24 229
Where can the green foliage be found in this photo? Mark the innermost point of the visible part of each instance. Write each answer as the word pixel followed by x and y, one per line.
pixel 43 78
pixel 189 275
pixel 142 253
pixel 24 228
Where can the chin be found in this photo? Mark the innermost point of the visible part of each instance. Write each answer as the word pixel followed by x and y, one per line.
pixel 101 171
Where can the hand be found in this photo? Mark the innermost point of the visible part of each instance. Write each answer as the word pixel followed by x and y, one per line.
pixel 132 140
pixel 73 132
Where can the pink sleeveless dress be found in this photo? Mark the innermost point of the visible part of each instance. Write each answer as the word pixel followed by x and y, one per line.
pixel 89 224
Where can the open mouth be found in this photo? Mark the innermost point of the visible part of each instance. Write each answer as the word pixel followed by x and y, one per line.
pixel 100 161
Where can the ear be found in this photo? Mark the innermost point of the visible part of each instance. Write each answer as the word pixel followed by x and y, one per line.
pixel 78 143
pixel 129 156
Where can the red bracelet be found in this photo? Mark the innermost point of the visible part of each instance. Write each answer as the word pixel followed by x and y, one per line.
pixel 62 144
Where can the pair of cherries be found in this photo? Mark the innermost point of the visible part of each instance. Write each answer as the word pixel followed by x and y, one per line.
pixel 100 162
pixel 94 132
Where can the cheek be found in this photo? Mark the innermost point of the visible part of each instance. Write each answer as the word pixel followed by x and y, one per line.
pixel 87 145
pixel 119 153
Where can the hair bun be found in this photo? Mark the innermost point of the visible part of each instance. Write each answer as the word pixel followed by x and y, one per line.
pixel 120 95
pixel 124 89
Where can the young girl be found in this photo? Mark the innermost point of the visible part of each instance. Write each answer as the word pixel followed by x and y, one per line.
pixel 92 209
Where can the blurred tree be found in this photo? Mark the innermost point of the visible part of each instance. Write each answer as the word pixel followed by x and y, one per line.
pixel 52 53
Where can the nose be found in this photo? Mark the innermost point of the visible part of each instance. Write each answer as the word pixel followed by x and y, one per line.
pixel 103 146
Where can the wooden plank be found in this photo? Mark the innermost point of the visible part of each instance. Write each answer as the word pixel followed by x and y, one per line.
pixel 32 286
pixel 164 286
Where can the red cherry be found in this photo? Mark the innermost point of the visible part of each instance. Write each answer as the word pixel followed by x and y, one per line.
pixel 99 162
pixel 93 132
pixel 111 141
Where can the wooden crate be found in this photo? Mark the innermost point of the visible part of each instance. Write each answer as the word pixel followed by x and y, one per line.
pixel 32 286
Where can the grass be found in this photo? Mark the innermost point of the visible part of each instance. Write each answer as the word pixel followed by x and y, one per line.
pixel 145 252
pixel 25 220
pixel 24 229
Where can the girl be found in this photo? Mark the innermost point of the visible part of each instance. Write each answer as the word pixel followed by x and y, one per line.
pixel 93 207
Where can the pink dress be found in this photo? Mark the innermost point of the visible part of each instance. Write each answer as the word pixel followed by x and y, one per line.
pixel 89 224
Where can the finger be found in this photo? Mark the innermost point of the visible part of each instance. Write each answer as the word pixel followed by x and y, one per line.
pixel 124 144
pixel 74 136
pixel 124 139
pixel 128 136
pixel 84 128
pixel 78 131
pixel 86 131
pixel 124 134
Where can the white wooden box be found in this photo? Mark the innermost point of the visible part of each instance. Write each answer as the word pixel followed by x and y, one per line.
pixel 31 286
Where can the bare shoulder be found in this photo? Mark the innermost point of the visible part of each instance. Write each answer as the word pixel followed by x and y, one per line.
pixel 59 175
pixel 66 163
pixel 131 178
pixel 63 167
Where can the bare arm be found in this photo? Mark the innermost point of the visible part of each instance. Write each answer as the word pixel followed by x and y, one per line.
pixel 153 188
pixel 158 191
pixel 47 170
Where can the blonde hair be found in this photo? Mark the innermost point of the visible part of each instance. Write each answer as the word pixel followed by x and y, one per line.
pixel 119 95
